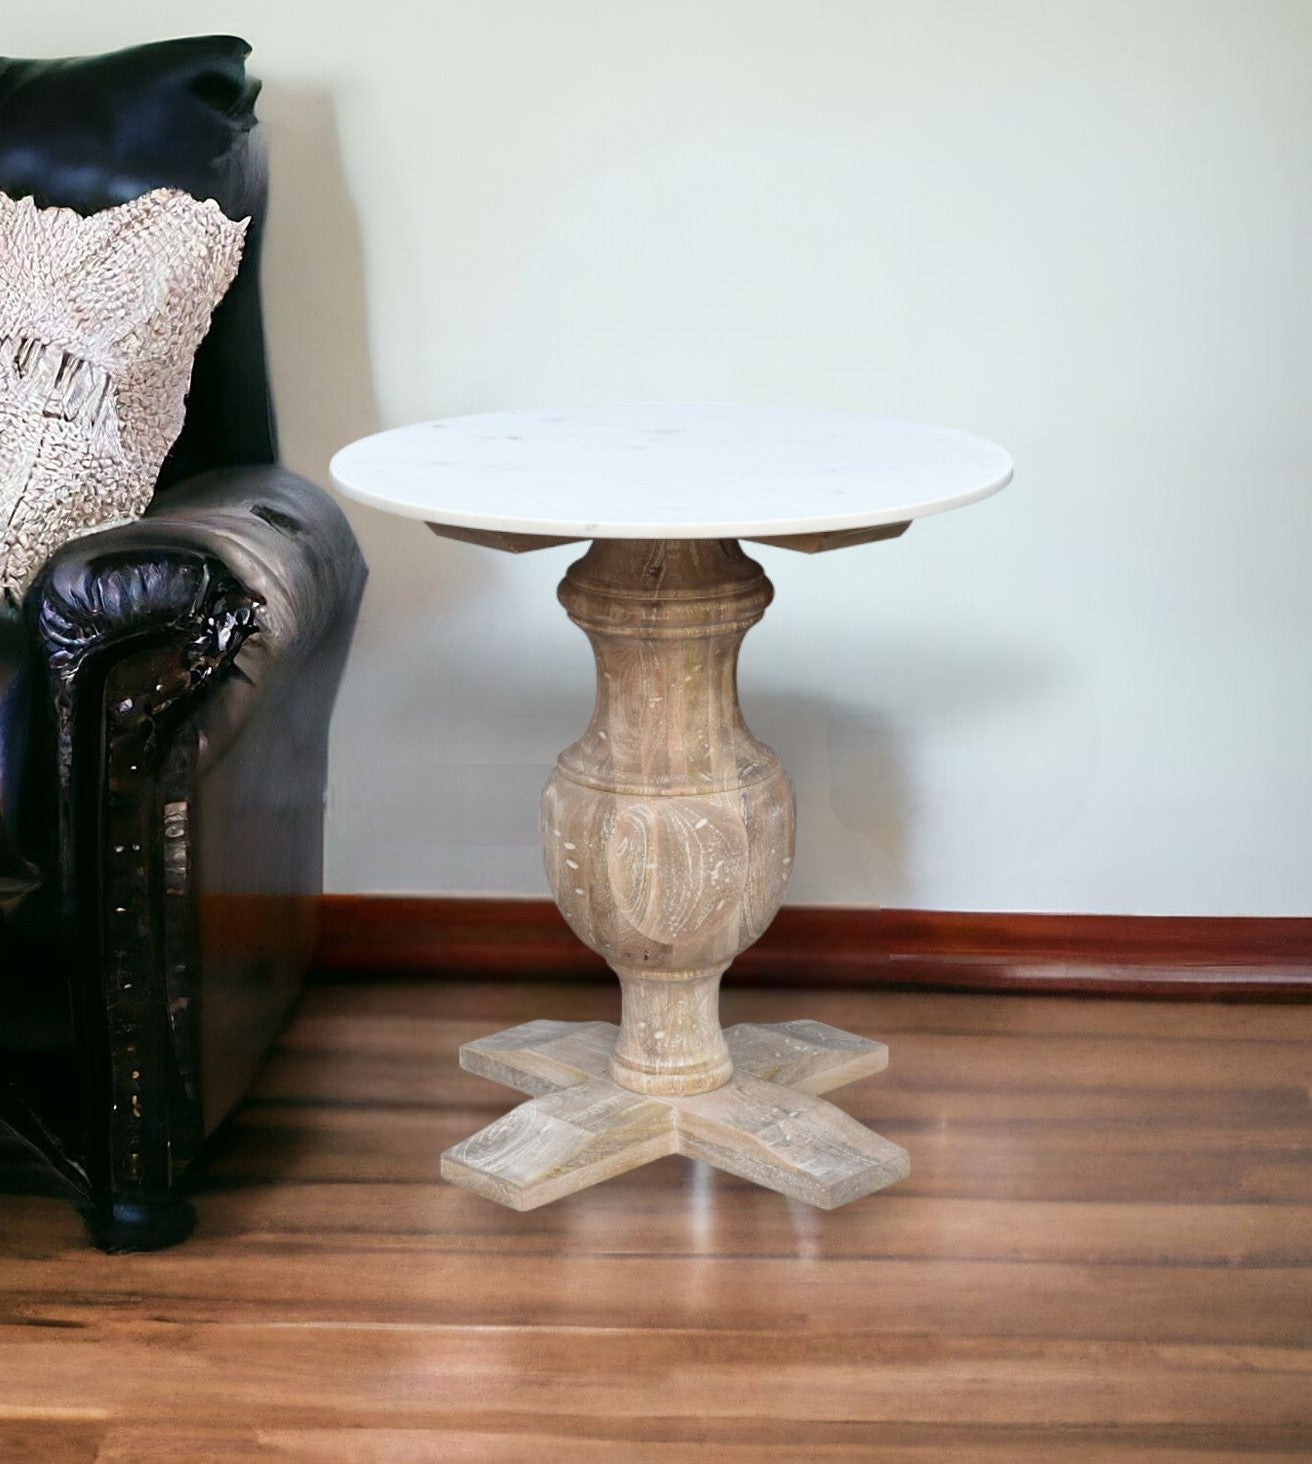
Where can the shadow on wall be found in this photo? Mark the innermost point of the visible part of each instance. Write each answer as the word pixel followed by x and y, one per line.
pixel 880 774
pixel 314 282
pixel 868 780
pixel 849 768
pixel 317 317
pixel 901 765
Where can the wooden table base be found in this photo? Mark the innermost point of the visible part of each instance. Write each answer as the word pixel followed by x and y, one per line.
pixel 765 1124
pixel 667 831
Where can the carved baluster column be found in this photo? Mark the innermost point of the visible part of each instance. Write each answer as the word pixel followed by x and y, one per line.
pixel 667 828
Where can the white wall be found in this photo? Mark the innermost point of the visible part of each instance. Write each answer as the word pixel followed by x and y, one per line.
pixel 1082 230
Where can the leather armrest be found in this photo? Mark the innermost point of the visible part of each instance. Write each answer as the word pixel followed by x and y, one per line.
pixel 242 568
pixel 281 543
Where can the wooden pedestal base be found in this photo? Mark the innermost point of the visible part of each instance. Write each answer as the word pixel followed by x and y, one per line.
pixel 667 833
pixel 765 1124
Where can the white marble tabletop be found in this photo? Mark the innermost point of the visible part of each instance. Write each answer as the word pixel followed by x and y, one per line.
pixel 669 471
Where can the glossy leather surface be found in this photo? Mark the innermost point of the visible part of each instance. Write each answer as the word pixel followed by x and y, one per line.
pixel 227 612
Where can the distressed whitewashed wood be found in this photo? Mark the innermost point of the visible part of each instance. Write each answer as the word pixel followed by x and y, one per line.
pixel 667 828
pixel 812 1057
pixel 667 833
pixel 789 1141
pixel 755 1125
pixel 565 1141
pixel 540 1057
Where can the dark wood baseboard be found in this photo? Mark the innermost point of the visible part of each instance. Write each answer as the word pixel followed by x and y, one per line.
pixel 1216 958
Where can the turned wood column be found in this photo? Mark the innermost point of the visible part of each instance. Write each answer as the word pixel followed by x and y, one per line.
pixel 667 828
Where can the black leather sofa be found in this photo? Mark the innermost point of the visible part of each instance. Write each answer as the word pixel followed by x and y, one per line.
pixel 165 693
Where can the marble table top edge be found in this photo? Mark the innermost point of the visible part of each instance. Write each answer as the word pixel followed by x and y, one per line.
pixel 576 530
pixel 390 471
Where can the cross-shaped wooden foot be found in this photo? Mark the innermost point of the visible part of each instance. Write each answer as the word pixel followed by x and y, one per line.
pixel 765 1124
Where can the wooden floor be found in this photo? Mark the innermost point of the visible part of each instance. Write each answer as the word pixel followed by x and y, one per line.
pixel 1102 1254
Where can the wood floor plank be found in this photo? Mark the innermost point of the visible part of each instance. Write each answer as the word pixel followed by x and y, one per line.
pixel 1136 1162
pixel 430 1079
pixel 379 1215
pixel 1226 1235
pixel 48 1442
pixel 443 1287
pixel 582 1441
pixel 298 1375
pixel 1103 1254
pixel 1142 1058
pixel 491 1003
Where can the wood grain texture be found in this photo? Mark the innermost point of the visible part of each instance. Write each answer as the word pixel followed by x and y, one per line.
pixel 667 833
pixel 540 1056
pixel 1153 957
pixel 811 1057
pixel 1104 1254
pixel 704 1442
pixel 503 539
pixel 561 1142
pixel 823 541
pixel 667 828
pixel 788 1141
pixel 581 1128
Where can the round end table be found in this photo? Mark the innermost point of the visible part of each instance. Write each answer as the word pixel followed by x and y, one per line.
pixel 667 828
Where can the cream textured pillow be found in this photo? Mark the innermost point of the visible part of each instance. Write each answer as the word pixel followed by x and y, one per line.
pixel 99 320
